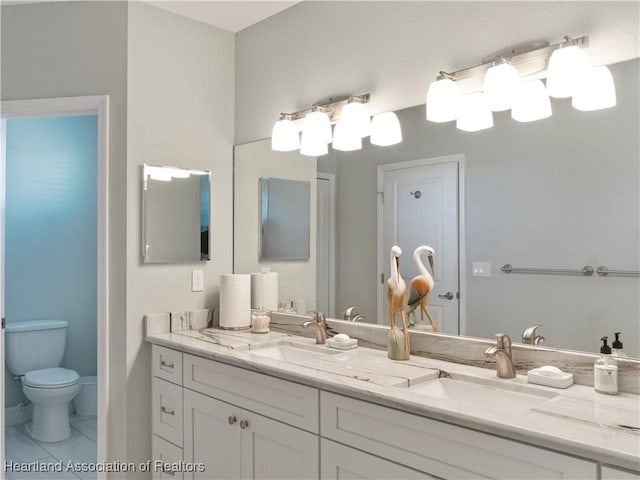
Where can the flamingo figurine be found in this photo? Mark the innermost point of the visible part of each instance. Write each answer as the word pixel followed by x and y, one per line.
pixel 422 285
pixel 396 294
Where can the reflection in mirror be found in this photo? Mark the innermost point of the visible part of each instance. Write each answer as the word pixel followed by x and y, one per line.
pixel 175 214
pixel 558 193
pixel 284 219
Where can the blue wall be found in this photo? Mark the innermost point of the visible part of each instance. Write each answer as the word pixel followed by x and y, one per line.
pixel 50 244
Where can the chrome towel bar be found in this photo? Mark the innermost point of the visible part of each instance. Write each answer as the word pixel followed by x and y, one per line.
pixel 604 271
pixel 587 270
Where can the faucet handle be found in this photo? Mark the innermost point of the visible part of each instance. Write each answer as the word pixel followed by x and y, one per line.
pixel 503 341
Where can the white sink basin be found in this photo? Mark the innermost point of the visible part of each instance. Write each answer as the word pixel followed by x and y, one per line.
pixel 466 395
pixel 295 353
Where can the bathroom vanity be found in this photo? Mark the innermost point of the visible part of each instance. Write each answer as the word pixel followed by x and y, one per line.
pixel 278 406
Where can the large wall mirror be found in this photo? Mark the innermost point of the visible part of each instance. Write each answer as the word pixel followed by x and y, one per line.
pixel 559 193
pixel 175 214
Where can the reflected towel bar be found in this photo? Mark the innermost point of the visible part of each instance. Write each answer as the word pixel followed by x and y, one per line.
pixel 604 271
pixel 587 270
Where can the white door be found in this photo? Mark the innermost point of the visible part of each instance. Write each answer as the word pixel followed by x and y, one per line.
pixel 420 207
pixel 325 234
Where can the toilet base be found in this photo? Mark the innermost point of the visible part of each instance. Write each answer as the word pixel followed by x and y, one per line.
pixel 50 423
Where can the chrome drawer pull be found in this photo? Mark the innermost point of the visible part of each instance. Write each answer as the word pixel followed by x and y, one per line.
pixel 232 420
pixel 166 365
pixel 244 424
pixel 166 410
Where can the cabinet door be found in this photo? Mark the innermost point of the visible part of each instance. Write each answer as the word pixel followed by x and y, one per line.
pixel 166 405
pixel 273 450
pixel 165 453
pixel 342 462
pixel 211 437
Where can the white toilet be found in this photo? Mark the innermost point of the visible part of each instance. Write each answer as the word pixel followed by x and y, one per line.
pixel 34 351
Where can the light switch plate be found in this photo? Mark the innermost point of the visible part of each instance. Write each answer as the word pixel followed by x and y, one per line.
pixel 481 269
pixel 197 280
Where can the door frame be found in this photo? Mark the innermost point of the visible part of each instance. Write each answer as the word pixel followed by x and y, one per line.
pixel 85 105
pixel 331 178
pixel 383 256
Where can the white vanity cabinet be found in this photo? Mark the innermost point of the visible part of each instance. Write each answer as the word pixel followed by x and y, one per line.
pixel 242 424
pixel 433 447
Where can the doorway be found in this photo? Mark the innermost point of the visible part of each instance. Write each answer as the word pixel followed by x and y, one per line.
pixel 326 244
pixel 421 203
pixel 95 110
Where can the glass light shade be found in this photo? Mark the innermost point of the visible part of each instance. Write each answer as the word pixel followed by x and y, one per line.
pixel 500 86
pixel 318 125
pixel 596 91
pixel 531 103
pixel 443 101
pixel 313 146
pixel 355 116
pixel 385 129
pixel 346 138
pixel 567 68
pixel 284 136
pixel 475 113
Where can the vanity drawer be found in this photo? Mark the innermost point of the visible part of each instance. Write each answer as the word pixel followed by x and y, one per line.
pixel 167 364
pixel 438 448
pixel 165 452
pixel 281 400
pixel 166 404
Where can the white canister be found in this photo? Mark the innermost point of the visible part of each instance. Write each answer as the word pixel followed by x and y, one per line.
pixel 235 301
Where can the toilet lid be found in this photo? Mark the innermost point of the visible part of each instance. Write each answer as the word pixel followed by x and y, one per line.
pixel 51 378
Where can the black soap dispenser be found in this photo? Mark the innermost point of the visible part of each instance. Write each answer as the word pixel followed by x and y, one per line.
pixel 605 371
pixel 616 347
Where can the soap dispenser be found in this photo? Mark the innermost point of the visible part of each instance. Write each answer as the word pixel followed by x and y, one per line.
pixel 616 347
pixel 605 371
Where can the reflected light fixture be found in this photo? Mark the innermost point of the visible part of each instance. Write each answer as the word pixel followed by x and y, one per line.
pixel 531 103
pixel 353 123
pixel 513 81
pixel 475 113
pixel 596 91
pixel 385 129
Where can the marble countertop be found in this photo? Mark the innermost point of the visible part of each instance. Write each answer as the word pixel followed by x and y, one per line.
pixel 576 420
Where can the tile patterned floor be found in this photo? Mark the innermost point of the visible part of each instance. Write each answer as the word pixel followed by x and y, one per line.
pixel 80 448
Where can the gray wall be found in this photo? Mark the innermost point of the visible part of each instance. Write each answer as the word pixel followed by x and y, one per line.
pixel 315 50
pixel 180 113
pixel 558 193
pixel 71 49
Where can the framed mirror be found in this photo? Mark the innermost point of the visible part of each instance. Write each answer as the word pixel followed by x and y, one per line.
pixel 176 219
pixel 284 219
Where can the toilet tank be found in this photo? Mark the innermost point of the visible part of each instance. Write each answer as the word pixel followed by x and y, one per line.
pixel 34 345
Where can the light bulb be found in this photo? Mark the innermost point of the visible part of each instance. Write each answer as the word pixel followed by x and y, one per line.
pixel 355 117
pixel 531 103
pixel 475 113
pixel 567 68
pixel 345 138
pixel 443 101
pixel 385 129
pixel 596 91
pixel 501 83
pixel 284 136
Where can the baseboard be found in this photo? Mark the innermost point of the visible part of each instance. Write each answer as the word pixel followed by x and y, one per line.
pixel 17 415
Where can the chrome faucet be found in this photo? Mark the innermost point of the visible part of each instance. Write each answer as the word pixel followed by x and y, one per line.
pixel 529 336
pixel 320 325
pixel 502 354
pixel 351 316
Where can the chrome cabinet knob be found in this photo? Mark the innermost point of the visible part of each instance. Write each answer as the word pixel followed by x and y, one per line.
pixel 244 424
pixel 232 419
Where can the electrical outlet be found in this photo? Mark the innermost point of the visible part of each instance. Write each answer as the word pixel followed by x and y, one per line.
pixel 197 280
pixel 481 269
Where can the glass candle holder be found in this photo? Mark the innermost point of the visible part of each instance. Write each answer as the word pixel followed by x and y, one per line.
pixel 260 319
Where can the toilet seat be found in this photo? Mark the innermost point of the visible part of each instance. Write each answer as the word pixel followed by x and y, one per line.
pixel 51 378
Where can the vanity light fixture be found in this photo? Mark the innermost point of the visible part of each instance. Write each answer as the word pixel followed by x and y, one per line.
pixel 352 124
pixel 513 81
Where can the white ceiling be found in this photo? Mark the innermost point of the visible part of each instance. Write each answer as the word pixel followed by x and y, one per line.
pixel 231 15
